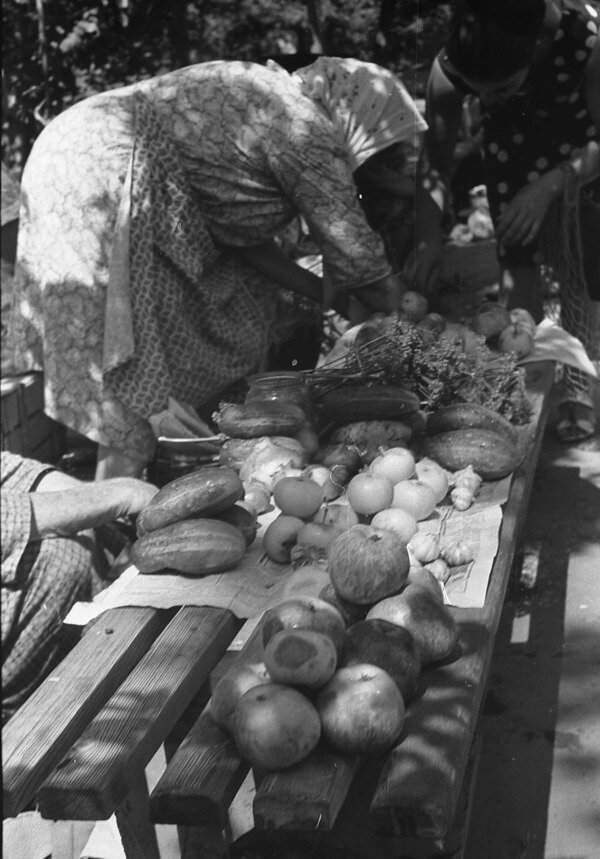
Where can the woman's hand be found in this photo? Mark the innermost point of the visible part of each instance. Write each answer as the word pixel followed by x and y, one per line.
pixel 381 296
pixel 520 222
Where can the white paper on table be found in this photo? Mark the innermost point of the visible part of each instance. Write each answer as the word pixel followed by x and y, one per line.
pixel 258 583
pixel 553 343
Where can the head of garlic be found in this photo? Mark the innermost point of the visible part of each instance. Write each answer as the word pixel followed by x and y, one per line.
pixel 457 553
pixel 462 498
pixel 467 478
pixel 439 568
pixel 424 547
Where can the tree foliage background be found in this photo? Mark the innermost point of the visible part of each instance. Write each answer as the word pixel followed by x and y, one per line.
pixel 56 52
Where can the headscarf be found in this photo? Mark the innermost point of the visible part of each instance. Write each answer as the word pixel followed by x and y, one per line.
pixel 368 104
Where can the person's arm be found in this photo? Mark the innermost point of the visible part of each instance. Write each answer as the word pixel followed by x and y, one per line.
pixel 67 512
pixel 443 114
pixel 272 262
pixel 520 222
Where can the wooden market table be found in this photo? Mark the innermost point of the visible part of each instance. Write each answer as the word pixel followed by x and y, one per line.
pixel 79 745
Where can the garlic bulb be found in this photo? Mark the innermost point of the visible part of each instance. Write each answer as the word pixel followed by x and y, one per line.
pixel 457 553
pixel 462 498
pixel 440 570
pixel 424 547
pixel 467 478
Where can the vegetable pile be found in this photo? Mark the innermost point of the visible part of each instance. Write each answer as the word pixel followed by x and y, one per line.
pixel 450 369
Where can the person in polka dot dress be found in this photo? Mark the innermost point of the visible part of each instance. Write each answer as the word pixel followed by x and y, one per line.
pixel 535 67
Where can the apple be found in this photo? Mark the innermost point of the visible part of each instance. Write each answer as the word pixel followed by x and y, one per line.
pixel 340 516
pixel 275 726
pixel 414 305
pixel 396 464
pixel 398 520
pixel 523 318
pixel 366 564
pixel 381 643
pixel 230 689
pixel 305 613
pixel 414 496
pixel 425 617
pixel 280 536
pixel 368 494
pixel 340 454
pixel 298 496
pixel 433 475
pixel 350 612
pixel 515 338
pixel 316 535
pixel 361 710
pixel 490 319
pixel 301 657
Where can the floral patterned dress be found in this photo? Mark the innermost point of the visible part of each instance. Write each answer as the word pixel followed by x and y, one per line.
pixel 125 290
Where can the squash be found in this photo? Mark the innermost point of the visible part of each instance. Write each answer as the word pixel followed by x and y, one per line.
pixel 492 455
pixel 368 402
pixel 241 517
pixel 203 492
pixel 252 420
pixel 468 416
pixel 197 547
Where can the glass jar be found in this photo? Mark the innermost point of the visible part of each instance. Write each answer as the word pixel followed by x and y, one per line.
pixel 280 386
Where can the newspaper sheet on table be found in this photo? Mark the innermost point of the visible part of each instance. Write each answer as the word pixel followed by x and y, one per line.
pixel 258 583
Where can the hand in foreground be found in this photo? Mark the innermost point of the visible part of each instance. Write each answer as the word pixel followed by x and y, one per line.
pixel 131 494
pixel 522 218
pixel 88 505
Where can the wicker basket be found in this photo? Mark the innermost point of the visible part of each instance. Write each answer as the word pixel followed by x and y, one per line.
pixel 473 267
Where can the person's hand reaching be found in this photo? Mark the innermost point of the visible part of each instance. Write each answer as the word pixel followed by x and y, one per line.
pixel 520 222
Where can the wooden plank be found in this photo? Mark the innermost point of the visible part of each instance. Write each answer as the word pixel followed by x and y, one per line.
pixel 138 835
pixel 307 796
pixel 97 773
pixel 32 390
pixel 206 771
pixel 50 721
pixel 420 783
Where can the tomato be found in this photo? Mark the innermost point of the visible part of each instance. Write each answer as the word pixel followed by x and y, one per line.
pixel 298 496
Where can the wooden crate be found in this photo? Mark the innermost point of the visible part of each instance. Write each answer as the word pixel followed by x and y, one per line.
pixel 26 429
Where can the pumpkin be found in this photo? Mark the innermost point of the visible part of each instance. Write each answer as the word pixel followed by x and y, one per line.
pixel 366 564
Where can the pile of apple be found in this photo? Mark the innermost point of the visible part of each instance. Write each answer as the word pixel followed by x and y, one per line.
pixel 505 330
pixel 343 667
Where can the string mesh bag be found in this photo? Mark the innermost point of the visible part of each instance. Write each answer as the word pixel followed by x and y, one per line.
pixel 577 313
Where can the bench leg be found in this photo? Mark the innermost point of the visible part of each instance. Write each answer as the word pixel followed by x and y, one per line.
pixel 69 837
pixel 138 834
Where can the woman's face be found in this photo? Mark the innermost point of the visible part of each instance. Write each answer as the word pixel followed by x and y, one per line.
pixel 496 92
